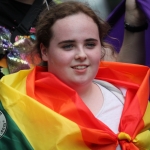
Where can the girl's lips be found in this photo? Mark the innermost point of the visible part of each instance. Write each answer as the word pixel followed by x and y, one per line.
pixel 80 67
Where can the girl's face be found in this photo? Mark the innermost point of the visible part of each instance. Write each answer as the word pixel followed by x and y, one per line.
pixel 75 50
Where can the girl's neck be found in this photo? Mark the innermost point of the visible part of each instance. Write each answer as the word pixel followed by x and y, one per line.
pixel 92 97
pixel 84 91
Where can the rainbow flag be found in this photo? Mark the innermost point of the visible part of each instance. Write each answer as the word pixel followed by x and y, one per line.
pixel 38 111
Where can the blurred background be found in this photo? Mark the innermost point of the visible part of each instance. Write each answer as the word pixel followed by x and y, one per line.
pixel 103 7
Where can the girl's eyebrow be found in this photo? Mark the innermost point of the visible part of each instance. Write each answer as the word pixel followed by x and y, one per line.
pixel 72 41
pixel 91 39
pixel 66 41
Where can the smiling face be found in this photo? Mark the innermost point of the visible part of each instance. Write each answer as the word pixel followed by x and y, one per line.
pixel 75 50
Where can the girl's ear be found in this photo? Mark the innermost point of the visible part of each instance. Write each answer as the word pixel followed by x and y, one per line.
pixel 44 52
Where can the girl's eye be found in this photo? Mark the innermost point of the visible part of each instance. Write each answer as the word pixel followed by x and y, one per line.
pixel 68 46
pixel 90 45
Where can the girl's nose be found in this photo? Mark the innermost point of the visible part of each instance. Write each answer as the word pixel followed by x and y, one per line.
pixel 81 55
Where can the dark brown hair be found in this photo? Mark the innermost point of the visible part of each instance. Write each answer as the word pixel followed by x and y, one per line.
pixel 48 17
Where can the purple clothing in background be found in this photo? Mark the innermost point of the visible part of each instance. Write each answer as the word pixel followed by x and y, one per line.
pixel 116 20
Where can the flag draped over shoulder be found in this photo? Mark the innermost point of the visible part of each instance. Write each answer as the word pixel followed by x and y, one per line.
pixel 116 20
pixel 41 112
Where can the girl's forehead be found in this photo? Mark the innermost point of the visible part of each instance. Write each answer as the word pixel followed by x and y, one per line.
pixel 75 27
pixel 77 19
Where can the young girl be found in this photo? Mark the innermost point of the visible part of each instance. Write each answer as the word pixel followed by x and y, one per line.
pixel 75 102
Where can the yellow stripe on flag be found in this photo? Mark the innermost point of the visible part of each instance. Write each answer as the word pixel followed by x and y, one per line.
pixel 142 140
pixel 43 128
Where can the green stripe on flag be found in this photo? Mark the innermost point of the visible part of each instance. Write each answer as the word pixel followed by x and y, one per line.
pixel 13 138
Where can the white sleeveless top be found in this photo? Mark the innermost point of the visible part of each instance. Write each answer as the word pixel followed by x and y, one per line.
pixel 111 110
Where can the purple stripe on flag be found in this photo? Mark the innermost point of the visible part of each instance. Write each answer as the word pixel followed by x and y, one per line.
pixel 116 20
